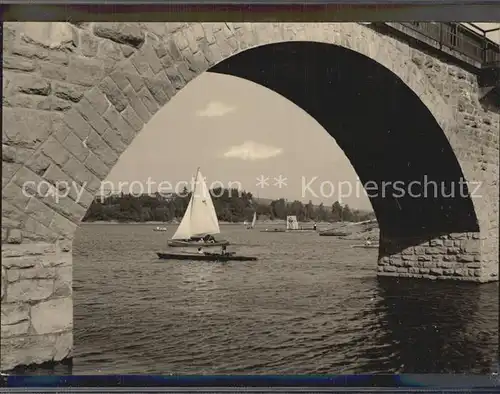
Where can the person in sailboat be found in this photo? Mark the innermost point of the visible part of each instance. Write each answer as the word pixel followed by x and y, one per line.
pixel 200 250
pixel 223 250
pixel 314 226
pixel 209 239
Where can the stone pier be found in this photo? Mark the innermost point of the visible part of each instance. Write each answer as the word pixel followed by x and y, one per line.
pixel 37 304
pixel 451 257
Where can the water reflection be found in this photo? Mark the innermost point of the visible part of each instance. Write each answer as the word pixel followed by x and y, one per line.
pixel 439 326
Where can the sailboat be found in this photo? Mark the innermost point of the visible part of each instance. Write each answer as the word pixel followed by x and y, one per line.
pixel 197 228
pixel 199 223
pixel 254 220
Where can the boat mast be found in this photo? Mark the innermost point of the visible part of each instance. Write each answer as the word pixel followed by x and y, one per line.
pixel 192 191
pixel 194 184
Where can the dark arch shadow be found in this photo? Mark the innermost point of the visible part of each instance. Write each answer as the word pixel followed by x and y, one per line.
pixel 382 126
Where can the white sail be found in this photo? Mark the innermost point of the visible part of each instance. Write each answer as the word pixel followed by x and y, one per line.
pixel 254 220
pixel 292 223
pixel 200 217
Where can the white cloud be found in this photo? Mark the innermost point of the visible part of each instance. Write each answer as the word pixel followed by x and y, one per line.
pixel 251 150
pixel 215 108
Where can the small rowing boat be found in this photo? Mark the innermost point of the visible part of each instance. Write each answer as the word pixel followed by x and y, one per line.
pixel 205 257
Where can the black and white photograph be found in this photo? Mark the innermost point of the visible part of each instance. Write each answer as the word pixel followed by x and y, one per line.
pixel 250 198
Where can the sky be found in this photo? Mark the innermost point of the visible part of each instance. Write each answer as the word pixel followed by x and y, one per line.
pixel 238 131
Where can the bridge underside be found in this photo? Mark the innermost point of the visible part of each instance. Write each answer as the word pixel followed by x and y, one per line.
pixel 400 153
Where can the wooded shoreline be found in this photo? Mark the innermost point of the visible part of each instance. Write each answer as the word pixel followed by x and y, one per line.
pixel 231 206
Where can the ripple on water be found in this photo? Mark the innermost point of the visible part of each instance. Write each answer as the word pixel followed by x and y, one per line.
pixel 308 305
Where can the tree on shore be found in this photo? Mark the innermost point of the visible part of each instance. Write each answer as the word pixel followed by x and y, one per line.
pixel 231 205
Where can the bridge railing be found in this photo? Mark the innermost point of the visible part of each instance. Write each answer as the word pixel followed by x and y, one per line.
pixel 459 38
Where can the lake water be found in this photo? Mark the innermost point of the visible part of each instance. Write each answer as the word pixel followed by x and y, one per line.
pixel 309 305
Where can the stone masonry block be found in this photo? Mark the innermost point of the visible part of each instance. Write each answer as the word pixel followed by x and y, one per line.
pixel 161 89
pixel 15 313
pixel 84 71
pixel 82 175
pixel 132 119
pixel 123 33
pixel 18 63
pixel 35 349
pixel 87 43
pixel 114 94
pixel 34 231
pixel 148 100
pixel 102 150
pixel 97 99
pixel 53 149
pixel 146 60
pixel 90 114
pixel 63 226
pixel 128 71
pixel 30 290
pixel 175 77
pixel 52 316
pixel 63 283
pixel 12 218
pixel 14 194
pixel 76 147
pixel 77 123
pixel 30 84
pixel 39 211
pixel 96 166
pixel 137 104
pixel 116 122
pixel 67 91
pixel 110 50
pixel 25 128
pixel 114 140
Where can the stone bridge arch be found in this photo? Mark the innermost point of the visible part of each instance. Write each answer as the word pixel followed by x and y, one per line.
pixel 75 96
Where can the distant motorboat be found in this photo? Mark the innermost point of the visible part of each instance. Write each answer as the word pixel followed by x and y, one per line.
pixel 160 229
pixel 367 245
pixel 333 233
pixel 342 232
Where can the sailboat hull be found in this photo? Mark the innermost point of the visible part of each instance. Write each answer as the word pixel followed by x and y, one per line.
pixel 204 257
pixel 174 243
